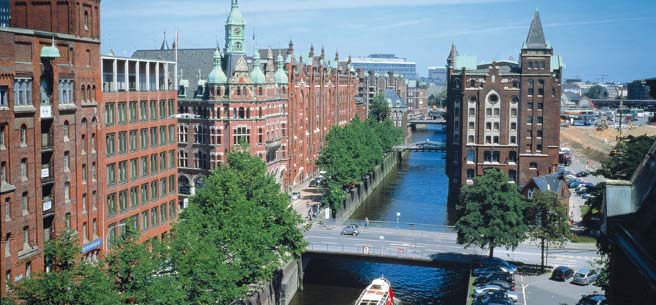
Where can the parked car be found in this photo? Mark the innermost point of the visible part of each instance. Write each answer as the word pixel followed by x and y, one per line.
pixel 585 276
pixel 585 196
pixel 296 196
pixel 350 230
pixel 479 271
pixel 505 285
pixel 593 299
pixel 498 294
pixel 486 289
pixel 574 183
pixel 582 174
pixel 493 300
pixel 562 273
pixel 316 182
pixel 582 189
pixel 488 277
pixel 495 261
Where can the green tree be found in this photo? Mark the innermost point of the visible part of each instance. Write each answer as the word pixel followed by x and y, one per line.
pixel 626 157
pixel 379 108
pixel 492 213
pixel 596 92
pixel 237 230
pixel 70 281
pixel 549 222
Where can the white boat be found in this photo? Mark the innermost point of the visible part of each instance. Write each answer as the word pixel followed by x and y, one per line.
pixel 379 292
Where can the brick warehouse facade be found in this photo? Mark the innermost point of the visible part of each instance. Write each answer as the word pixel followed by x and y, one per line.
pixel 281 103
pixel 49 131
pixel 139 169
pixel 504 115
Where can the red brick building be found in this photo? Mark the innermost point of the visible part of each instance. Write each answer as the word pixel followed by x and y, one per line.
pixel 278 102
pixel 138 146
pixel 50 131
pixel 504 114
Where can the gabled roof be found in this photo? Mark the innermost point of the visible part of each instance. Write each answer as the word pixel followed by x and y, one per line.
pixel 548 183
pixel 535 38
pixel 394 100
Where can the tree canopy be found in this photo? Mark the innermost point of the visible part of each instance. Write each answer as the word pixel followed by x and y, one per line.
pixel 70 281
pixel 492 213
pixel 596 92
pixel 548 220
pixel 626 157
pixel 379 108
pixel 353 151
pixel 237 230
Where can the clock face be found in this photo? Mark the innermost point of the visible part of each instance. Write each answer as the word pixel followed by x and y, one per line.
pixel 237 30
pixel 237 45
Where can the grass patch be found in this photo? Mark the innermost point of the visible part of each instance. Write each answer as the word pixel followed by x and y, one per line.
pixel 575 238
pixel 470 291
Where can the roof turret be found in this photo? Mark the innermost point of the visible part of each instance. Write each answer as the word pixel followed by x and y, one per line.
pixel 281 76
pixel 256 74
pixel 216 75
pixel 235 17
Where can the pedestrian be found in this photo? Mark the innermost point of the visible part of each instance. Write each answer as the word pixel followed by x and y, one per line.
pixel 366 222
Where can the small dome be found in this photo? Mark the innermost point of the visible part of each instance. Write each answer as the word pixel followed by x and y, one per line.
pixel 256 74
pixel 216 75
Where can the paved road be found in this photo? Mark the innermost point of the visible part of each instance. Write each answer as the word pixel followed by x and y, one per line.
pixel 539 289
pixel 429 245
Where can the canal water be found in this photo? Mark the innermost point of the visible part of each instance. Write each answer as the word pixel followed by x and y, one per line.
pixel 418 191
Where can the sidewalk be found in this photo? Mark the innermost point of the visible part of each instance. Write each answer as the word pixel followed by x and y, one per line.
pixel 309 197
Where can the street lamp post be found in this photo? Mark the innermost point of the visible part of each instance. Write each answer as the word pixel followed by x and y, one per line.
pixel 382 239
pixel 398 214
pixel 111 228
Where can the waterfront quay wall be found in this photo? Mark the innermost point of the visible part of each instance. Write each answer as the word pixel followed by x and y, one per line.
pixel 280 290
pixel 371 181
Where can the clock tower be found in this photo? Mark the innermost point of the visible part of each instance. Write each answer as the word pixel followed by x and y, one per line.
pixel 235 40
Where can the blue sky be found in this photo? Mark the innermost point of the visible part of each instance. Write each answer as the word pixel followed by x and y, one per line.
pixel 595 38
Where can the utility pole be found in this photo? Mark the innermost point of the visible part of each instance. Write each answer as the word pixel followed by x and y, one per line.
pixel 620 93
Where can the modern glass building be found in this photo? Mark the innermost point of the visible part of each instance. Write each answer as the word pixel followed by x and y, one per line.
pixel 385 63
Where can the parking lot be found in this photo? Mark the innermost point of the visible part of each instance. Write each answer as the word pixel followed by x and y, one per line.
pixel 539 289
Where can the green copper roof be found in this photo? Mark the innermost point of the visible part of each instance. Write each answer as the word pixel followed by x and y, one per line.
pixel 217 76
pixel 235 16
pixel 51 51
pixel 280 77
pixel 257 76
pixel 556 62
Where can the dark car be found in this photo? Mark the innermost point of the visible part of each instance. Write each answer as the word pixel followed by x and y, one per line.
pixel 316 182
pixel 480 271
pixel 593 299
pixel 503 284
pixel 562 273
pixel 488 277
pixel 350 230
pixel 493 301
pixel 582 174
pixel 495 261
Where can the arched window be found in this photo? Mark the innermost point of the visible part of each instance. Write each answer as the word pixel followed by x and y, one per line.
pixel 93 93
pixel 259 91
pixel 93 122
pixel 86 20
pixel 472 83
pixel 259 112
pixel 65 131
pixel 238 90
pixel 493 99
pixel 515 100
pixel 83 123
pixel 457 83
pixel 89 98
pixel 514 83
pixel 84 92
pixel 23 135
pixel 183 185
pixel 199 182
pixel 472 100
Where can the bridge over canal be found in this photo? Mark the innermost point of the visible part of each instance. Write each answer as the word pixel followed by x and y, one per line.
pixel 421 243
pixel 422 146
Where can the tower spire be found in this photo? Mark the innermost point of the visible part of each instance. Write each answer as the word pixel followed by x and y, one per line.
pixel 535 38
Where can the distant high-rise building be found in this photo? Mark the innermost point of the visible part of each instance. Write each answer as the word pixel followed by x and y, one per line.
pixel 5 14
pixel 638 90
pixel 385 63
pixel 437 75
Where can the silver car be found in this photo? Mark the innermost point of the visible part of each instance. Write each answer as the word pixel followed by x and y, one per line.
pixel 585 276
pixel 482 290
pixel 350 230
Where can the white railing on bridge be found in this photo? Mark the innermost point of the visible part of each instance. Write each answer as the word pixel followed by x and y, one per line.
pixel 404 226
pixel 409 252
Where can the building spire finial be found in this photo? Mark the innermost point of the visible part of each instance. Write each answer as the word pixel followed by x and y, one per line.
pixel 535 38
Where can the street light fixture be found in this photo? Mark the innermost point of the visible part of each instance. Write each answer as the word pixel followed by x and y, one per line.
pixel 111 228
pixel 398 214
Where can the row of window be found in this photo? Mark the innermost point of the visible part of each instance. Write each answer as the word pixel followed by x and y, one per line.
pixel 121 201
pixel 120 113
pixel 140 167
pixel 512 174
pixel 139 141
pixel 149 219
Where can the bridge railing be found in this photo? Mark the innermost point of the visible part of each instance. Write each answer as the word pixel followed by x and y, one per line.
pixel 389 225
pixel 408 252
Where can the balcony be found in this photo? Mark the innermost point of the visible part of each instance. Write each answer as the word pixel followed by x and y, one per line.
pixel 47 141
pixel 48 206
pixel 47 173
